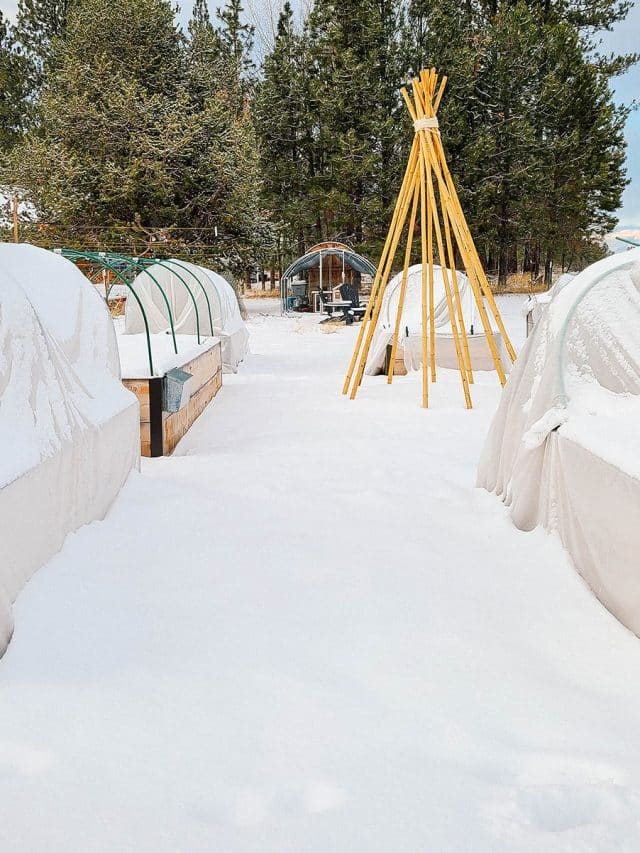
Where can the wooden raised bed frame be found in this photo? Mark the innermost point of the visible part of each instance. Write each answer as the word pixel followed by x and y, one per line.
pixel 160 431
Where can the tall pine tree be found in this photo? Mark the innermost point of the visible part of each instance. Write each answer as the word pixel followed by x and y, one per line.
pixel 13 89
pixel 38 24
pixel 284 132
pixel 236 41
pixel 354 116
pixel 529 122
pixel 221 190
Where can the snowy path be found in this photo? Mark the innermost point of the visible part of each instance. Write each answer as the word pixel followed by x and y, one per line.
pixel 309 632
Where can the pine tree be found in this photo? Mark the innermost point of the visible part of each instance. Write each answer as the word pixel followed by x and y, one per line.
pixel 140 40
pixel 584 145
pixel 221 183
pixel 236 39
pixel 110 129
pixel 127 136
pixel 531 130
pixel 356 122
pixel 283 129
pixel 38 24
pixel 207 69
pixel 13 89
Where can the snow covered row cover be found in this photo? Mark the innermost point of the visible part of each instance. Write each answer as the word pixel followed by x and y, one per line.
pixel 410 337
pixel 69 430
pixel 210 291
pixel 564 447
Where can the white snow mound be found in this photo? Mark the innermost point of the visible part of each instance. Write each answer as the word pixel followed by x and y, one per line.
pixel 200 300
pixel 563 450
pixel 68 428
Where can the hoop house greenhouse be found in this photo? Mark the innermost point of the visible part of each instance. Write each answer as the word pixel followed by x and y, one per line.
pixel 563 450
pixel 201 302
pixel 68 426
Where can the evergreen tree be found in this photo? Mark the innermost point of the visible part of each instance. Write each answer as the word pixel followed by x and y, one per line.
pixel 236 40
pixel 584 148
pixel 110 127
pixel 38 24
pixel 13 89
pixel 530 126
pixel 283 127
pixel 355 127
pixel 222 181
pixel 127 136
pixel 207 69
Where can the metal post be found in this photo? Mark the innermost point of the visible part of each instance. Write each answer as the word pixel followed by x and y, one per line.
pixel 16 233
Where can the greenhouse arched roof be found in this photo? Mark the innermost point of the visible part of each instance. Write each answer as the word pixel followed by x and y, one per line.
pixel 313 257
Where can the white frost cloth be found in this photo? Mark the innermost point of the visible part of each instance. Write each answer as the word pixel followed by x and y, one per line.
pixel 545 454
pixel 69 430
pixel 210 291
pixel 446 355
pixel 410 336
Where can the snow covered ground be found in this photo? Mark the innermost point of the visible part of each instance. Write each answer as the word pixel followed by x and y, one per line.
pixel 308 631
pixel 134 354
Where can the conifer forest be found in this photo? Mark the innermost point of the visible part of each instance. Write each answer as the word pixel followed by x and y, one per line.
pixel 123 130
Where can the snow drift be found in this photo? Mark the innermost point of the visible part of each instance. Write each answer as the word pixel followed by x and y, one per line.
pixel 410 336
pixel 210 292
pixel 537 302
pixel 69 432
pixel 563 450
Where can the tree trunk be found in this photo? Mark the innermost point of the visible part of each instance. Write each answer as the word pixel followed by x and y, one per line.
pixel 513 259
pixel 548 268
pixel 503 265
pixel 535 262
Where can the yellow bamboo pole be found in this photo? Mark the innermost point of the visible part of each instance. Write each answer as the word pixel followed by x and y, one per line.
pixel 421 94
pixel 431 109
pixel 426 152
pixel 427 159
pixel 482 279
pixel 456 291
pixel 420 86
pixel 472 262
pixel 374 289
pixel 408 176
pixel 463 237
pixel 423 238
pixel 438 98
pixel 403 286
pixel 426 82
pixel 432 316
pixel 383 283
pixel 445 276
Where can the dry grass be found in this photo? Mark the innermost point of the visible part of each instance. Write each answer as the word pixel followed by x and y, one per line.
pixel 519 283
pixel 262 294
pixel 330 328
pixel 116 307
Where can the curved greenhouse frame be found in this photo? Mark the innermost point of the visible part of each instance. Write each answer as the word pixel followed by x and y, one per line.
pixel 208 304
pixel 319 257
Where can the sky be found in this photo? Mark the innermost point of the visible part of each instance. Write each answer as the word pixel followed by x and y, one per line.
pixel 623 39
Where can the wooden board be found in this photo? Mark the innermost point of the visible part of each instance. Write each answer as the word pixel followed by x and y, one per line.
pixel 176 425
pixel 206 370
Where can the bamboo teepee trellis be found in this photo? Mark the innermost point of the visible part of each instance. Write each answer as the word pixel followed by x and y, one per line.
pixel 426 169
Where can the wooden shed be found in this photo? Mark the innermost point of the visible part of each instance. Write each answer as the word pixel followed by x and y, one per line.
pixel 324 268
